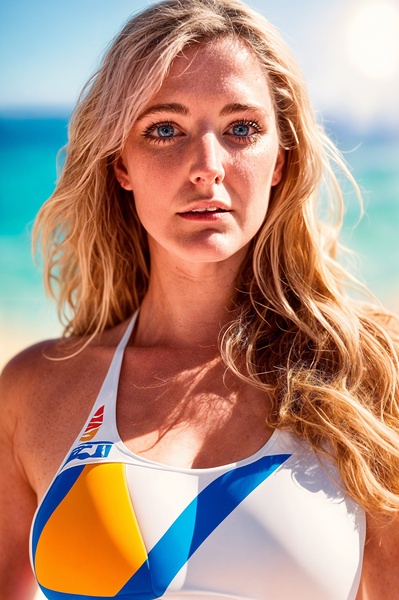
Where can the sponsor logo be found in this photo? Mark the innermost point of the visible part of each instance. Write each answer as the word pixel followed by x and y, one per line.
pixel 95 423
pixel 90 450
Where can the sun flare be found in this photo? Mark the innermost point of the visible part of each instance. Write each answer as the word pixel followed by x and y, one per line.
pixel 373 39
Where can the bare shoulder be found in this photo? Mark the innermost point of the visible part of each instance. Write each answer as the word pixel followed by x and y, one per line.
pixel 380 577
pixel 29 357
pixel 46 393
pixel 22 374
pixel 46 371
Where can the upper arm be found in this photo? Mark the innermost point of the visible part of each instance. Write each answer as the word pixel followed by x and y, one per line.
pixel 17 498
pixel 380 575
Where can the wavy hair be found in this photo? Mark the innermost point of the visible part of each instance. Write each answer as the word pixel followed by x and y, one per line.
pixel 329 362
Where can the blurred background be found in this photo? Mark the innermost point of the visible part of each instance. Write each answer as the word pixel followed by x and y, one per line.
pixel 348 51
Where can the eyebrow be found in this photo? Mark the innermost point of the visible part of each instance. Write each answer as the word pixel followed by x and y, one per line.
pixel 180 109
pixel 237 107
pixel 173 107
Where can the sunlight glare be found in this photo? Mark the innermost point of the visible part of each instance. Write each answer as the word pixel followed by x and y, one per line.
pixel 373 39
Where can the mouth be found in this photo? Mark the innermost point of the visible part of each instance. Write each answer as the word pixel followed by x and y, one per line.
pixel 211 214
pixel 205 210
pixel 206 207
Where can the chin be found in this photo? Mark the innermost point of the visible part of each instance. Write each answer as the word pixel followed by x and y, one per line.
pixel 214 253
pixel 204 249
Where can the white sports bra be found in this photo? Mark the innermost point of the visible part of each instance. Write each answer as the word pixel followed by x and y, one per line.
pixel 273 526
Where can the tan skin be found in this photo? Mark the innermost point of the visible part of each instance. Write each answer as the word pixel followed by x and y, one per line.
pixel 176 404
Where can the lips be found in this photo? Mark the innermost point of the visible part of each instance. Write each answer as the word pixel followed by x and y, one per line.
pixel 206 206
pixel 204 210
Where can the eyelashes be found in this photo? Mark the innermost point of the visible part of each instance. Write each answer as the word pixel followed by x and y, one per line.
pixel 162 132
pixel 243 131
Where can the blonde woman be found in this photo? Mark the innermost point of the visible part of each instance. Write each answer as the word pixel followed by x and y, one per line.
pixel 220 419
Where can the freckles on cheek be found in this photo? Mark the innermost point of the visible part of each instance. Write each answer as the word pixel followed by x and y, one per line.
pixel 162 169
pixel 255 160
pixel 245 167
pixel 247 177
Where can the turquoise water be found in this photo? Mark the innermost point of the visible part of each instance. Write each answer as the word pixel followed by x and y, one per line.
pixel 28 149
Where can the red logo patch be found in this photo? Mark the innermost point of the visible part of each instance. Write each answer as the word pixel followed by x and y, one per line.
pixel 95 423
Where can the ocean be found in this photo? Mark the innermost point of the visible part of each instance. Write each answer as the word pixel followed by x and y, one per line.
pixel 28 149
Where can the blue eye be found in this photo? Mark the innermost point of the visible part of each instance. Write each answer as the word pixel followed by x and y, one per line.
pixel 244 131
pixel 165 131
pixel 162 132
pixel 241 130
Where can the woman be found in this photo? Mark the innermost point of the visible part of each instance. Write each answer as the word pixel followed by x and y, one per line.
pixel 225 417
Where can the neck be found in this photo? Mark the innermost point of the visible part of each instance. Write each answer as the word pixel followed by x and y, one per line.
pixel 187 305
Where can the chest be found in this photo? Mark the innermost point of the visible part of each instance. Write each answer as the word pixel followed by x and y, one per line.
pixel 173 408
pixel 189 411
pixel 235 531
pixel 262 529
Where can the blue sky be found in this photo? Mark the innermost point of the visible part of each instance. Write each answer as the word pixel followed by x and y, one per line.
pixel 348 50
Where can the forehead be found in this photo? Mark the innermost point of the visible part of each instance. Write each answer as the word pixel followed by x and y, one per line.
pixel 211 70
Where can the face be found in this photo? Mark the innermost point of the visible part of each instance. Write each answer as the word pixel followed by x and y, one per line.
pixel 202 157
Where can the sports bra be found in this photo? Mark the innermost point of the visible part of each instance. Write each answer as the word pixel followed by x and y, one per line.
pixel 274 526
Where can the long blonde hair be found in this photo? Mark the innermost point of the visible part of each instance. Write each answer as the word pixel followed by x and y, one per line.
pixel 329 362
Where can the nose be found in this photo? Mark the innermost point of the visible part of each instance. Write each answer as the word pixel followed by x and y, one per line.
pixel 207 160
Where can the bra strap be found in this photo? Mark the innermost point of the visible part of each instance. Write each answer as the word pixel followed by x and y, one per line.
pixel 109 388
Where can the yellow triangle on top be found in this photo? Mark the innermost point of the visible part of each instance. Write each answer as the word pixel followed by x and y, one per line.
pixel 91 544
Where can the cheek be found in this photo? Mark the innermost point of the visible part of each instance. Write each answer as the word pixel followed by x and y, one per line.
pixel 256 167
pixel 159 161
pixel 253 182
pixel 255 177
pixel 150 183
pixel 147 210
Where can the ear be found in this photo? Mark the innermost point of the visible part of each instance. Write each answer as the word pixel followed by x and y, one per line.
pixel 122 174
pixel 278 168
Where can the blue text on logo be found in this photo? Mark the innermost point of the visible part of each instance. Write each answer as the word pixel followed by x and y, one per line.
pixel 90 450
